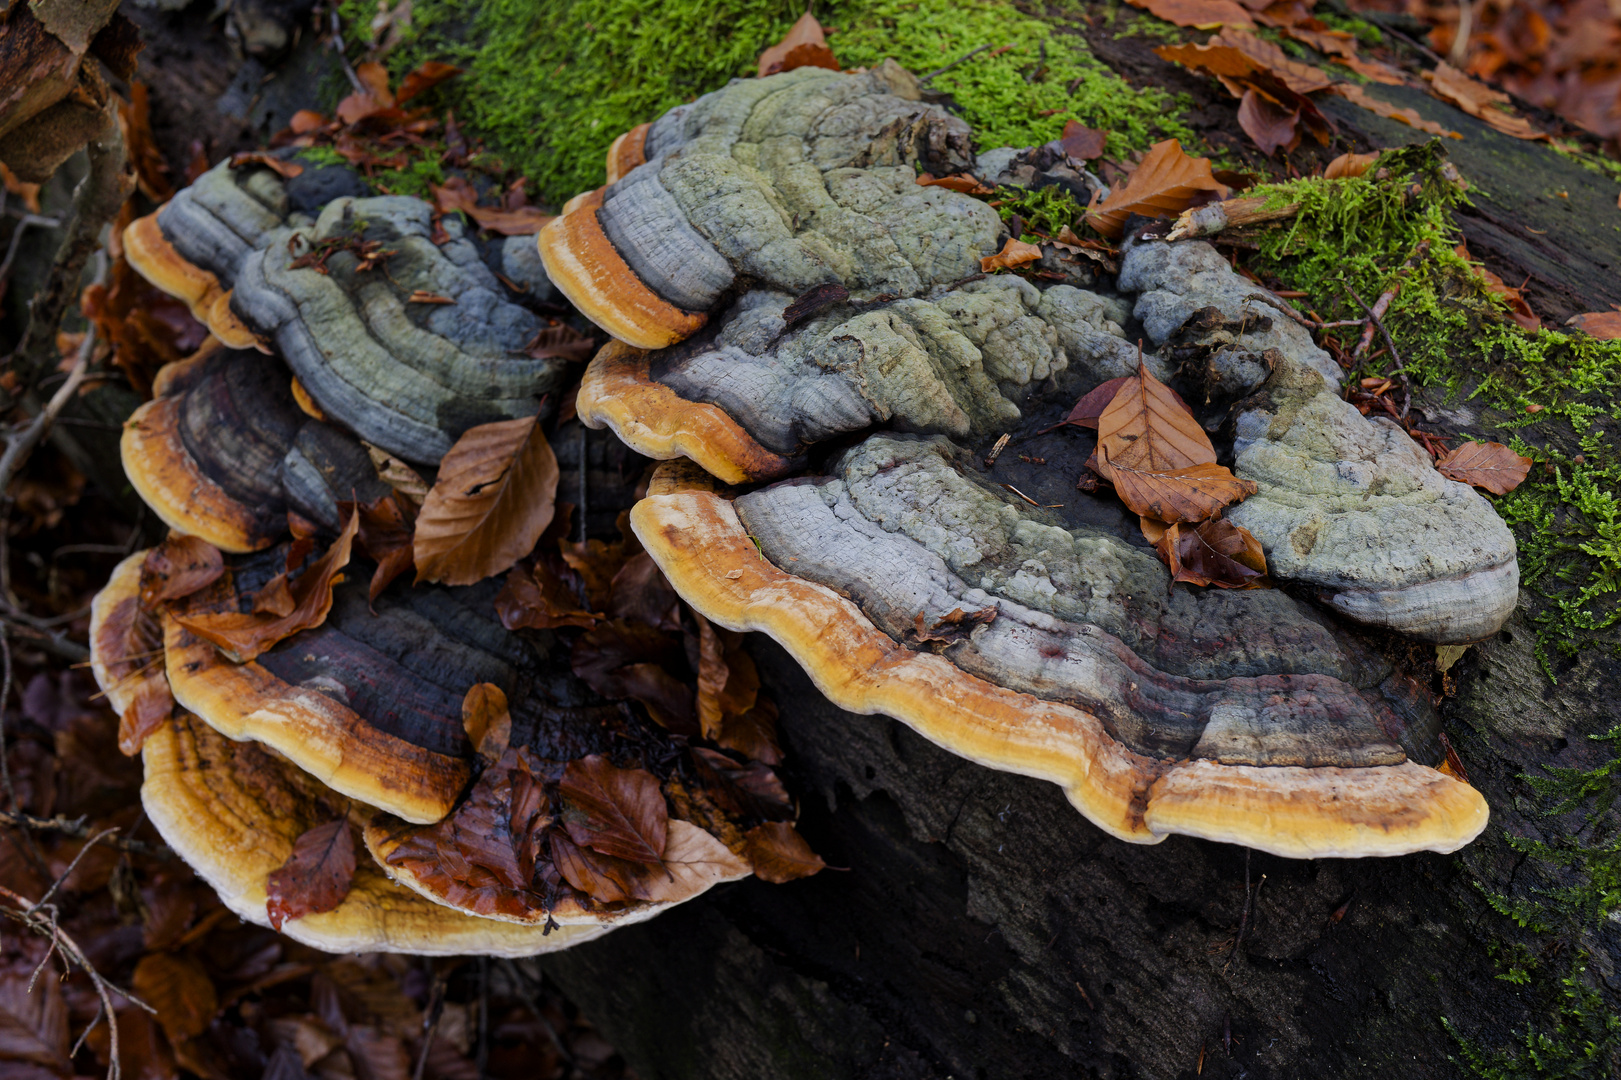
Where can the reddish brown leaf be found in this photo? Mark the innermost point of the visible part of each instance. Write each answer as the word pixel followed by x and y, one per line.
pixel 1200 13
pixel 242 637
pixel 405 480
pixel 639 593
pixel 1081 142
pixel 599 876
pixel 618 812
pixel 151 171
pixel 34 1025
pixel 129 645
pixel 146 712
pixel 1166 183
pixel 424 77
pixel 1093 402
pixel 1480 101
pixel 1489 465
pixel 535 596
pixel 422 296
pixel 305 121
pixel 1604 325
pixel 561 341
pixel 747 790
pixel 778 854
pixel 597 563
pixel 178 567
pixel 274 598
pixel 753 734
pixel 952 626
pixel 803 46
pixel 1269 125
pixel 1347 166
pixel 693 860
pixel 494 497
pixel 284 169
pixel 487 720
pixel 962 182
pixel 1014 253
pixel 1380 107
pixel 727 679
pixel 1217 552
pixel 316 876
pixel 629 660
pixel 386 536
pixel 1236 58
pixel 375 99
pixel 176 985
pixel 458 195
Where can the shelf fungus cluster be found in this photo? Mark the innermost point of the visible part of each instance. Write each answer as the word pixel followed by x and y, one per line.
pixel 822 343
pixel 425 768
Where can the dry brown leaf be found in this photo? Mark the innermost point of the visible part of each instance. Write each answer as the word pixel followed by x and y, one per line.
pixel 1093 402
pixel 1081 142
pixel 779 854
pixel 618 812
pixel 1201 13
pixel 375 98
pixel 1166 183
pixel 397 474
pixel 962 182
pixel 1348 166
pixel 1376 70
pixel 457 194
pixel 1235 57
pixel 1379 107
pixel 423 296
pixel 316 876
pixel 1269 125
pixel 1013 253
pixel 693 861
pixel 176 985
pixel 1158 458
pixel 1480 101
pixel 745 789
pixel 1216 552
pixel 1489 465
pixel 425 77
pixel 284 169
pixel 1519 308
pixel 1604 325
pixel 535 596
pixel 494 496
pixel 805 45
pixel 241 637
pixel 385 537
pixel 178 567
pixel 487 720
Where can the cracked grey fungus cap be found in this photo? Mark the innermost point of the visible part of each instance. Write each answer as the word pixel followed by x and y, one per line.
pixel 783 183
pixel 407 375
pixel 222 452
pixel 1346 503
pixel 748 396
pixel 1030 640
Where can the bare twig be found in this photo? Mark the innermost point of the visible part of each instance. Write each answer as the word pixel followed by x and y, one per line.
pixel 338 47
pixel 430 1023
pixel 520 987
pixel 23 224
pixel 1401 372
pixel 961 59
pixel 77 828
pixel 23 444
pixel 1382 305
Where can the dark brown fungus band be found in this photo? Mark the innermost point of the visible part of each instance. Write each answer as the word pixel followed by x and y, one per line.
pixel 222 452
pixel 785 182
pixel 907 585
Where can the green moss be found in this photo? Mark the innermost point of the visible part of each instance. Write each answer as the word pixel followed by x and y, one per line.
pixel 414 179
pixel 1578 1041
pixel 1044 210
pixel 1363 30
pixel 550 83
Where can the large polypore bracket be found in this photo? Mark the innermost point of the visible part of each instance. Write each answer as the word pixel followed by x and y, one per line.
pixel 1235 717
pixel 788 182
pixel 222 452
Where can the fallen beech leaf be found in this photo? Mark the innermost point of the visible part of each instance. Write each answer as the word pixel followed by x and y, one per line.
pixel 1489 465
pixel 1013 253
pixel 727 679
pixel 33 1026
pixel 640 593
pixel 424 77
pixel 778 854
pixel 178 567
pixel 1081 142
pixel 535 596
pixel 753 734
pixel 693 861
pixel 1200 13
pixel 599 876
pixel 803 46
pixel 458 195
pixel 241 637
pixel 1604 325
pixel 1217 552
pixel 626 660
pixel 1166 182
pixel 1235 55
pixel 1093 402
pixel 284 169
pixel 1270 126
pixel 618 812
pixel 176 985
pixel 316 876
pixel 1152 528
pixel 1376 70
pixel 962 182
pixel 1158 458
pixel 597 563
pixel 1348 166
pixel 1519 309
pixel 397 474
pixel 747 790
pixel 375 99
pixel 1379 107
pixel 487 720
pixel 135 121
pixel 494 497
pixel 305 121
pixel 385 536
pixel 131 640
pixel 274 598
pixel 1480 101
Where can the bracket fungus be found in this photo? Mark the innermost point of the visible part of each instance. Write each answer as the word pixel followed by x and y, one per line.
pixel 1221 716
pixel 788 182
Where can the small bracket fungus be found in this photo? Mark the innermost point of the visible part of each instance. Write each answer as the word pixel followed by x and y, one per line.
pixel 787 182
pixel 905 585
pixel 221 452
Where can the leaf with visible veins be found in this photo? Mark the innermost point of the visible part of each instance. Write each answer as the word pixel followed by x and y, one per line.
pixel 618 812
pixel 316 876
pixel 178 567
pixel 1487 465
pixel 779 854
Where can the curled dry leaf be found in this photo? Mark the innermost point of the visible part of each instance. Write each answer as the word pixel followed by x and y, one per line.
pixel 618 812
pixel 425 77
pixel 779 854
pixel 287 170
pixel 1201 13
pixel 178 567
pixel 626 660
pixel 536 596
pixel 749 789
pixel 754 733
pixel 1348 166
pixel 1093 402
pixel 1216 552
pixel 494 497
pixel 1158 458
pixel 962 182
pixel 397 474
pixel 386 536
pixel 1270 125
pixel 458 195
pixel 597 563
pixel 316 876
pixel 1014 253
pixel 1604 325
pixel 1166 183
pixel 805 45
pixel 131 641
pixel 423 296
pixel 487 720
pixel 728 682
pixel 1380 107
pixel 1236 58
pixel 1480 101
pixel 1489 465
pixel 639 593
pixel 693 861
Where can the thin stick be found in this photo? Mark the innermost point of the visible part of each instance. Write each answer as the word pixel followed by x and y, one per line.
pixel 337 44
pixel 19 448
pixel 1401 372
pixel 954 63
pixel 76 828
pixel 521 988
pixel 23 224
pixel 1382 305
